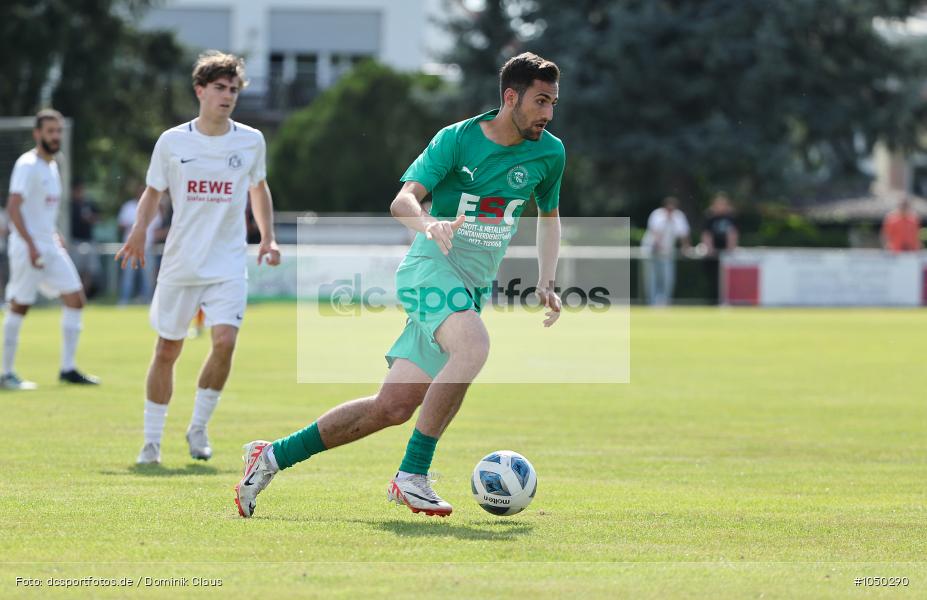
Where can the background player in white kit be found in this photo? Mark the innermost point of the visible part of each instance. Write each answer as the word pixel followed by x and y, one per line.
pixel 37 256
pixel 210 165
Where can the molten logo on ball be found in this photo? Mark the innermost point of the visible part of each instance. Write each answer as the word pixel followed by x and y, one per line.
pixel 504 483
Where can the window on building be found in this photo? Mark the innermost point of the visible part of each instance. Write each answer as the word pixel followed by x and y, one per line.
pixel 342 63
pixel 276 82
pixel 305 84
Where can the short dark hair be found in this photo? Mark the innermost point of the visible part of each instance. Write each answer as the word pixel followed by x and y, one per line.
pixel 47 114
pixel 213 65
pixel 519 72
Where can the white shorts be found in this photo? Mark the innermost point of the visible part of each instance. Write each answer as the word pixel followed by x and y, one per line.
pixel 174 306
pixel 57 276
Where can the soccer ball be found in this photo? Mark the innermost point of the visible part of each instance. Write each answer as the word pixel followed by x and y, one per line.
pixel 504 483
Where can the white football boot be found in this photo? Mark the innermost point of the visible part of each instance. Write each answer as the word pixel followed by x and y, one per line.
pixel 199 443
pixel 416 493
pixel 257 476
pixel 11 381
pixel 150 454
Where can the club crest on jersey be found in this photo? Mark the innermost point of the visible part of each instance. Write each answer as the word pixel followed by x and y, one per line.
pixel 235 161
pixel 517 177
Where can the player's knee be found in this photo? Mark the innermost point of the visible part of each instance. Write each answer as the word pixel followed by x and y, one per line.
pixel 75 300
pixel 396 410
pixel 223 342
pixel 167 351
pixel 399 413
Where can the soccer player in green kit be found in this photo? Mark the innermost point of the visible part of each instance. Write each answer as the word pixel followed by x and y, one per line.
pixel 481 174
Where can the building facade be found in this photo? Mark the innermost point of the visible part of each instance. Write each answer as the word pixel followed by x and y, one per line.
pixel 296 48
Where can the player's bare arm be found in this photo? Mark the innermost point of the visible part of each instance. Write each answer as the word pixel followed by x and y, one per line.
pixel 263 210
pixel 132 252
pixel 548 254
pixel 407 209
pixel 13 209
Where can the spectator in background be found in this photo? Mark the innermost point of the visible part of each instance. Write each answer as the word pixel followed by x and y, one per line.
pixel 138 279
pixel 901 229
pixel 85 214
pixel 665 226
pixel 252 232
pixel 162 221
pixel 720 234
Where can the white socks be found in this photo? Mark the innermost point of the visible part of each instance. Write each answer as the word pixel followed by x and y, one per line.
pixel 205 403
pixel 155 416
pixel 12 323
pixel 70 333
pixel 271 458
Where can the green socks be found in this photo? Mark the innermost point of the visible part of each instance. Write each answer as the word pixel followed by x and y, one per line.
pixel 299 446
pixel 419 452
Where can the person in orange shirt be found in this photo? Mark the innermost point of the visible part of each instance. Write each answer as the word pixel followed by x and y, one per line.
pixel 901 229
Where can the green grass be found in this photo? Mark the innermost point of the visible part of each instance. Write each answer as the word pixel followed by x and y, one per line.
pixel 773 454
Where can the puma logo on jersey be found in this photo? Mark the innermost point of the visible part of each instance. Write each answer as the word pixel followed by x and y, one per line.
pixel 464 169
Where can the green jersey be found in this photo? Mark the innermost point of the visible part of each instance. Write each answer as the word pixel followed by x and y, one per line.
pixel 469 174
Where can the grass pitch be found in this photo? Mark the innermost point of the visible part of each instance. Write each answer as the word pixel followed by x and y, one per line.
pixel 773 454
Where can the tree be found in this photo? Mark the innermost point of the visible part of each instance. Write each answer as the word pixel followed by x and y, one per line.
pixel 88 60
pixel 347 150
pixel 485 40
pixel 685 96
pixel 145 89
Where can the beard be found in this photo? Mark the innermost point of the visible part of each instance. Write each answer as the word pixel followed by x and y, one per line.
pixel 50 147
pixel 529 134
pixel 525 130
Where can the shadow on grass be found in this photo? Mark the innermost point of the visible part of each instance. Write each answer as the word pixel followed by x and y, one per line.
pixel 162 471
pixel 421 526
pixel 484 530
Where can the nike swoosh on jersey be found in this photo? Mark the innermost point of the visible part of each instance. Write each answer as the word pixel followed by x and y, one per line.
pixel 186 160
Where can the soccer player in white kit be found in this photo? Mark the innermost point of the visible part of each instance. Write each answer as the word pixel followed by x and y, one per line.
pixel 210 165
pixel 38 259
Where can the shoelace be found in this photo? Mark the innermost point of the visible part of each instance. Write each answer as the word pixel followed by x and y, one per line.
pixel 423 483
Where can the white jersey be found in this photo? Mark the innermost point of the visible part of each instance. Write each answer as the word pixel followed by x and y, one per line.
pixel 208 178
pixel 39 183
pixel 663 229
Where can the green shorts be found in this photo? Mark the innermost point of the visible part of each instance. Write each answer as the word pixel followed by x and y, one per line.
pixel 430 290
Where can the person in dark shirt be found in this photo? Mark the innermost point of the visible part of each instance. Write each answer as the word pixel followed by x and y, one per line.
pixel 720 229
pixel 720 234
pixel 84 214
pixel 252 233
pixel 83 250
